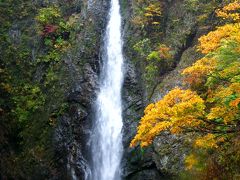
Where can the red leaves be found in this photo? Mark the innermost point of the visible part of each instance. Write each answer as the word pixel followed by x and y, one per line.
pixel 49 29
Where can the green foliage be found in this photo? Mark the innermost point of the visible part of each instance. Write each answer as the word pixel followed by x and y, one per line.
pixel 154 56
pixel 48 42
pixel 28 100
pixel 55 32
pixel 192 5
pixel 152 68
pixel 143 47
pixel 157 61
pixel 52 56
pixel 50 77
pixel 151 72
pixel 31 98
pixel 152 59
pixel 49 15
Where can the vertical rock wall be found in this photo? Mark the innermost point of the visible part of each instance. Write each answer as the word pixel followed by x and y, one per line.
pixel 181 29
pixel 81 74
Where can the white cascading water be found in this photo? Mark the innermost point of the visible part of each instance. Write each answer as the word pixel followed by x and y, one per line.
pixel 107 138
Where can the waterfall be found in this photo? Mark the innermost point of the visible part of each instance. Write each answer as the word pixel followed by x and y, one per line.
pixel 107 137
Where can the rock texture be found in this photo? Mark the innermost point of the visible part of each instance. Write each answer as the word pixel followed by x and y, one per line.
pixel 81 75
pixel 165 159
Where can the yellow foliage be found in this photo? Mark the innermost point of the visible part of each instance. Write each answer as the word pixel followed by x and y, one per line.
pixel 147 13
pixel 207 141
pixel 195 73
pixel 152 13
pixel 226 13
pixel 179 108
pixel 232 6
pixel 235 87
pixel 230 71
pixel 210 42
pixel 221 110
pixel 222 91
pixel 190 161
pixel 155 23
pixel 214 109
pixel 153 10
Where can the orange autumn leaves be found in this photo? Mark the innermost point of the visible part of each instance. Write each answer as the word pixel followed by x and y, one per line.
pixel 227 12
pixel 212 104
pixel 212 40
pixel 197 73
pixel 178 109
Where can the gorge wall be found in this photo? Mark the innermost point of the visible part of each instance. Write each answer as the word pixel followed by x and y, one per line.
pixel 69 98
pixel 179 30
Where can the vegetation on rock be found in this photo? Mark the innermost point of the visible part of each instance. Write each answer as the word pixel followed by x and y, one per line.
pixel 36 37
pixel 210 105
pixel 33 42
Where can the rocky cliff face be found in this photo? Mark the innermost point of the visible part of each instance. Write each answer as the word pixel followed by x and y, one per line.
pixel 82 68
pixel 61 129
pixel 181 30
pixel 77 86
pixel 166 157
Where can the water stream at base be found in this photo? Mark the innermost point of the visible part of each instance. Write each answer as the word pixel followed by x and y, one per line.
pixel 107 137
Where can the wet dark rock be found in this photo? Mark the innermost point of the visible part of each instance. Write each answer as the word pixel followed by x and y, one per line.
pixel 71 137
pixel 84 91
pixel 15 34
pixel 133 160
pixel 146 174
pixel 81 74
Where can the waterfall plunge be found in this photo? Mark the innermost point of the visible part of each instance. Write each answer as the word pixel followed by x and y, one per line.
pixel 107 138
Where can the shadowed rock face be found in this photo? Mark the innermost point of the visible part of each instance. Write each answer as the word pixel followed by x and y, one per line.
pixel 71 135
pixel 82 74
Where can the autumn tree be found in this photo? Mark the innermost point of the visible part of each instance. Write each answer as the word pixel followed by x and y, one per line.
pixel 149 14
pixel 210 108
